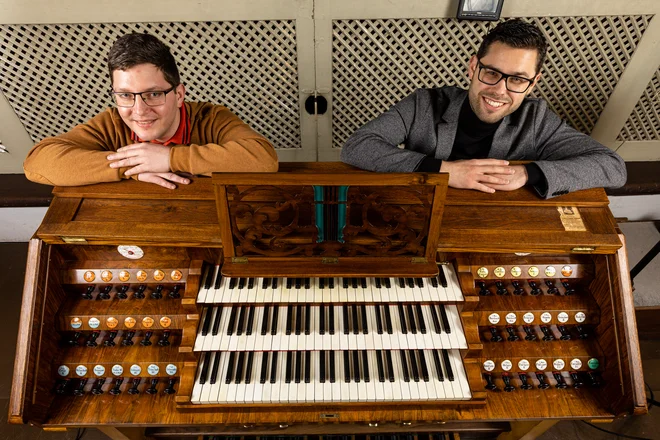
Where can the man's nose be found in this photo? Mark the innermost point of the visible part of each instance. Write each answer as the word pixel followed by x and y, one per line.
pixel 140 106
pixel 500 87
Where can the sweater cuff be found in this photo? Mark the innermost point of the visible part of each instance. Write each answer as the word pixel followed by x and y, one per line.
pixel 536 178
pixel 429 165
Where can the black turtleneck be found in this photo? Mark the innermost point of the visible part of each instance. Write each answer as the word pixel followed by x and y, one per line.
pixel 473 140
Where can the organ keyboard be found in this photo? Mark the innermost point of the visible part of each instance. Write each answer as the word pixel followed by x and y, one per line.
pixel 377 302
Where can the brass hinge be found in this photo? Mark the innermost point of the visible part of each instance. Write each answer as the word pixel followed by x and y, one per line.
pixel 583 249
pixel 239 260
pixel 422 260
pixel 329 260
pixel 74 240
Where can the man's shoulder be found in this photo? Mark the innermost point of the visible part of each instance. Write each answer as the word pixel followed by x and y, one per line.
pixel 440 93
pixel 198 110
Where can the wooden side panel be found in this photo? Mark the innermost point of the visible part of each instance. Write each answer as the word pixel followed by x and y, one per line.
pixel 22 406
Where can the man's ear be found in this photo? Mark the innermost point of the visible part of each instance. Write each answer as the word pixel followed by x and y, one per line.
pixel 180 94
pixel 472 67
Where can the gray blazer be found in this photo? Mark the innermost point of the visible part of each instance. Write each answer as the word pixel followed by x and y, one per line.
pixel 426 122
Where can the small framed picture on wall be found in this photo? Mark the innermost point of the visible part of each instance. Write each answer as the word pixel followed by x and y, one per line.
pixel 479 9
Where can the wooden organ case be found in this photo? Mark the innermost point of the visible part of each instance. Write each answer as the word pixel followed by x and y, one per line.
pixel 323 299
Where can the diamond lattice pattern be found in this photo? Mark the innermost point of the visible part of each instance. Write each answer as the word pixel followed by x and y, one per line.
pixel 644 121
pixel 54 76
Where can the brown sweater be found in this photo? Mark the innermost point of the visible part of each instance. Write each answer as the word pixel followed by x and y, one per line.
pixel 219 141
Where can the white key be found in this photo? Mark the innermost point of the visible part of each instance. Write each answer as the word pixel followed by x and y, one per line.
pixel 325 394
pixel 343 291
pixel 334 291
pixel 301 387
pixel 268 292
pixel 261 292
pixel 233 386
pixel 267 339
pixel 252 293
pixel 429 385
pixel 281 320
pixel 417 291
pixel 399 387
pixel 292 386
pixel 402 292
pixel 266 387
pixel 361 337
pixel 452 282
pixel 412 385
pixel 457 328
pixel 426 294
pixel 311 296
pixel 352 337
pixel 203 292
pixel 375 292
pixel 362 393
pixel 277 291
pixel 428 336
pixel 438 385
pixel 208 339
pixel 196 395
pixel 215 294
pixel 276 388
pixel 254 390
pixel 388 392
pixel 459 373
pixel 199 339
pixel 344 389
pixel 421 385
pixel 372 340
pixel 286 292
pixel 359 291
pixel 223 387
pixel 374 387
pixel 402 340
pixel 449 389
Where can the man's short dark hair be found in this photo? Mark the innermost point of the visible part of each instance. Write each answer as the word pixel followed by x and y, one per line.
pixel 133 49
pixel 519 34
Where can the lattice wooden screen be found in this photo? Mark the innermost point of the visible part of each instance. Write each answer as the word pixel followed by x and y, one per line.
pixel 644 122
pixel 378 62
pixel 54 76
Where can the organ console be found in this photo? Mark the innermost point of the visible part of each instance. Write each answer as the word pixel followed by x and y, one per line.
pixel 323 299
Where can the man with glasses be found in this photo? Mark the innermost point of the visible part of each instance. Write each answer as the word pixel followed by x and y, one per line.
pixel 152 135
pixel 473 134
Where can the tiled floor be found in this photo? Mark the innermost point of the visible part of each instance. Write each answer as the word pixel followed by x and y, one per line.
pixel 641 237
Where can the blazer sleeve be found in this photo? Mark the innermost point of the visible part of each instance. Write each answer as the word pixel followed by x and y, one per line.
pixel 78 157
pixel 570 160
pixel 221 142
pixel 375 146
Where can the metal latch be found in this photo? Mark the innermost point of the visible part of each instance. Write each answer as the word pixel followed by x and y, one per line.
pixel 74 240
pixel 240 260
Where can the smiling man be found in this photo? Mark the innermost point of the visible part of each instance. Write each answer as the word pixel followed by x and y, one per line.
pixel 473 134
pixel 152 134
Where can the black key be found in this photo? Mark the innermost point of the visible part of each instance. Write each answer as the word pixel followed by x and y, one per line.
pixel 308 284
pixel 345 313
pixel 273 368
pixel 413 366
pixel 265 283
pixel 402 283
pixel 388 283
pixel 289 283
pixel 273 325
pixel 331 319
pixel 422 363
pixel 250 321
pixel 388 320
pixel 232 320
pixel 363 283
pixel 250 283
pixel 410 282
pixel 356 328
pixel 239 367
pixel 443 317
pixel 230 368
pixel 248 367
pixel 420 319
pixel 442 277
pixel 450 372
pixel 264 367
pixel 216 366
pixel 365 366
pixel 205 368
pixel 411 319
pixel 377 283
pixel 264 323
pixel 438 368
pixel 308 366
pixel 207 320
pixel 379 321
pixel 331 283
pixel 232 283
pixel 322 366
pixel 289 366
pixel 289 319
pixel 436 320
pixel 241 283
pixel 404 366
pixel 402 318
pixel 218 280
pixel 298 283
pixel 354 283
pixel 216 322
pixel 333 371
pixel 390 365
pixel 322 319
pixel 434 282
pixel 365 325
pixel 298 366
pixel 209 277
pixel 321 283
pixel 299 319
pixel 241 321
pixel 356 366
pixel 419 282
pixel 347 368
pixel 308 319
pixel 275 281
pixel 379 366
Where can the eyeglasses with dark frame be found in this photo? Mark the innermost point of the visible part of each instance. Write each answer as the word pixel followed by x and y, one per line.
pixel 153 98
pixel 514 83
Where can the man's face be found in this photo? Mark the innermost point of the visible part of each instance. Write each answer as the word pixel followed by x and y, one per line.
pixel 492 103
pixel 149 123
